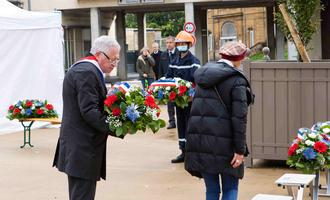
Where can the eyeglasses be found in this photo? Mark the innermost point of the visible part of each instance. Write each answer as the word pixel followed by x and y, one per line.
pixel 115 61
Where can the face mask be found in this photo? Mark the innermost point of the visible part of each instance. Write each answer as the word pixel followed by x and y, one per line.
pixel 182 48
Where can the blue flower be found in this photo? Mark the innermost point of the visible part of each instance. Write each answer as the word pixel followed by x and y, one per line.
pixel 309 153
pixel 19 103
pixel 39 104
pixel 28 112
pixel 132 113
pixel 160 94
pixel 191 92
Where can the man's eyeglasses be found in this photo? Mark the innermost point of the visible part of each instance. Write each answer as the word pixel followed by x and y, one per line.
pixel 115 61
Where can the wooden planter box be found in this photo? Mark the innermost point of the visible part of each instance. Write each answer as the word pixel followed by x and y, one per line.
pixel 289 95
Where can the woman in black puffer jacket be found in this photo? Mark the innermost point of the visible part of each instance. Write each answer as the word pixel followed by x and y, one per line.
pixel 216 141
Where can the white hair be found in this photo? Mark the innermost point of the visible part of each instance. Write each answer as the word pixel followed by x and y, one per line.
pixel 155 43
pixel 104 43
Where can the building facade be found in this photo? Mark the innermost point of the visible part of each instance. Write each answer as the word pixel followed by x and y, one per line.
pixel 248 25
pixel 245 20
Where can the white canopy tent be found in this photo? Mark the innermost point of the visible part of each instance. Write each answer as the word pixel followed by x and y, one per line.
pixel 31 59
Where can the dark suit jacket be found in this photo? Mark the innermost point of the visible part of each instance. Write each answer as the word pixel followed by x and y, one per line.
pixel 165 61
pixel 157 61
pixel 81 147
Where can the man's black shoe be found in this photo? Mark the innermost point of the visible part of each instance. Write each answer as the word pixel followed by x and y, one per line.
pixel 170 126
pixel 178 159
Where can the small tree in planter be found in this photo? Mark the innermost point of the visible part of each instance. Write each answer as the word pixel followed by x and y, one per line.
pixel 302 13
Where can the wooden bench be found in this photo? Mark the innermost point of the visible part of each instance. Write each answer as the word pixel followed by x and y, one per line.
pixel 271 197
pixel 27 124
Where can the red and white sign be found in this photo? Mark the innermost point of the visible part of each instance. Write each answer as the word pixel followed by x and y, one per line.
pixel 189 27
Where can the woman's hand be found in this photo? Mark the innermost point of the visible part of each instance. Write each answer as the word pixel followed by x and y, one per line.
pixel 237 160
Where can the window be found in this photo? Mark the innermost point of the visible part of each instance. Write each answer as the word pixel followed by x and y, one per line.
pixel 228 33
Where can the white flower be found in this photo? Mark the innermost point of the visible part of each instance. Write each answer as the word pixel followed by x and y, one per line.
pixel 188 84
pixel 309 143
pixel 22 111
pixel 156 88
pixel 20 107
pixel 152 113
pixel 168 88
pixel 33 107
pixel 298 151
pixel 326 130
pixel 312 135
pixel 114 121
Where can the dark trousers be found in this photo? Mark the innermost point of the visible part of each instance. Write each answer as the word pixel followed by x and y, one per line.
pixel 81 189
pixel 182 115
pixel 229 186
pixel 171 113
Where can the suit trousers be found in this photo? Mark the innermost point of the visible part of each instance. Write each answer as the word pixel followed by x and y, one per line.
pixel 81 189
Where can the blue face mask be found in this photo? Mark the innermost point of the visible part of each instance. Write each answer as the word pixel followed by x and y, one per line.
pixel 182 48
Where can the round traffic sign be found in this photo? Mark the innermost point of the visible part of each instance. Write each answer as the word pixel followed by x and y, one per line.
pixel 189 27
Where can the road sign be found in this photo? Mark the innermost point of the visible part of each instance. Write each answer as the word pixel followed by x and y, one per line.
pixel 189 27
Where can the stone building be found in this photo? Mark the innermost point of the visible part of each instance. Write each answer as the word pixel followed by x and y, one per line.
pixel 239 24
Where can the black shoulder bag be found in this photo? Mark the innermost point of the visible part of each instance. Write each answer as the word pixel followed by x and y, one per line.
pixel 223 103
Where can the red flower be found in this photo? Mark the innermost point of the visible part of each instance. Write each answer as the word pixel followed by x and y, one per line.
pixel 182 90
pixel 172 96
pixel 11 107
pixel 110 100
pixel 116 111
pixel 293 149
pixel 150 101
pixel 40 111
pixel 16 111
pixel 158 113
pixel 49 107
pixel 320 147
pixel 28 104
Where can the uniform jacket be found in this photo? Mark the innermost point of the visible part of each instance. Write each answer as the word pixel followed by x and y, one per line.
pixel 183 67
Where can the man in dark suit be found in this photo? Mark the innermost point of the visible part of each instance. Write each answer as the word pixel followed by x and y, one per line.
pixel 81 147
pixel 156 53
pixel 166 58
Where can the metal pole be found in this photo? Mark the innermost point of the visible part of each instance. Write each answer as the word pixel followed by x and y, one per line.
pixel 316 186
pixel 29 5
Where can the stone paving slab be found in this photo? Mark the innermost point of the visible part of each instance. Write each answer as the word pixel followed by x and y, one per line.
pixel 138 168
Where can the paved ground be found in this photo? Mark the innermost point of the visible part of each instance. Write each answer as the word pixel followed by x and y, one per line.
pixel 138 168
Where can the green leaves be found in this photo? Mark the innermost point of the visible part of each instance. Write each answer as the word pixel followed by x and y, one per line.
pixel 170 23
pixel 303 13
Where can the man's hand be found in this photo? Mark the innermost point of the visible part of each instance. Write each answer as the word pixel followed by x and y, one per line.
pixel 114 135
pixel 237 160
